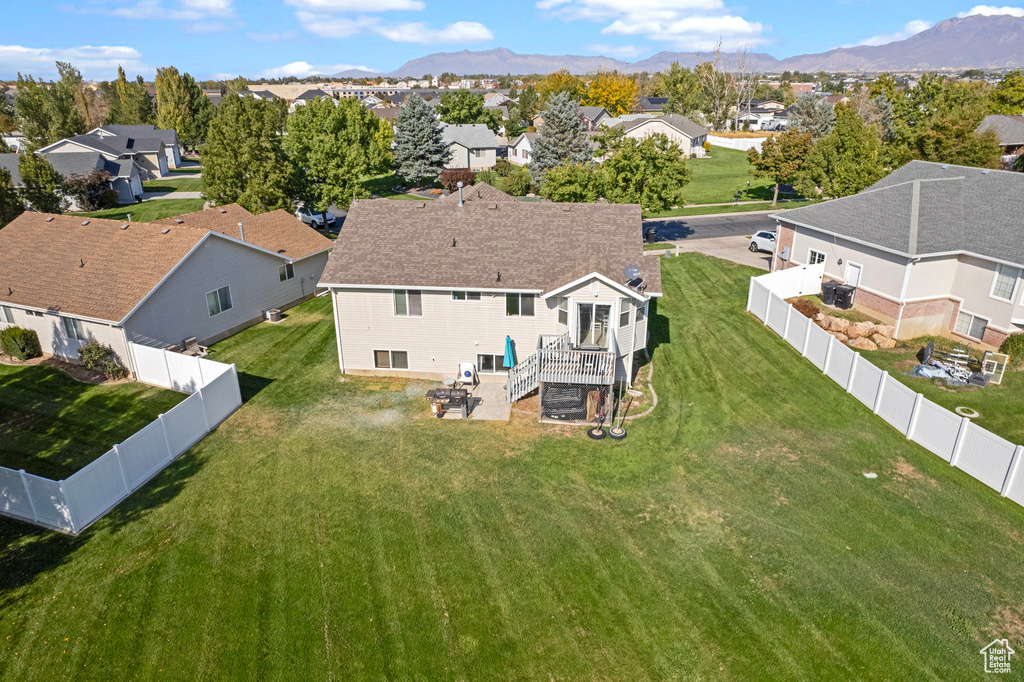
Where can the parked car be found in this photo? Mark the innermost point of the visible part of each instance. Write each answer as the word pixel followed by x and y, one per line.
pixel 762 241
pixel 315 219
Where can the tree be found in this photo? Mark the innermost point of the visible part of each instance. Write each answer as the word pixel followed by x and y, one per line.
pixel 42 186
pixel 742 82
pixel 885 84
pixel 781 158
pixel 651 172
pixel 618 93
pixel 1008 95
pixel 463 106
pixel 812 114
pixel 243 159
pixel 578 182
pixel 560 82
pixel 332 146
pixel 11 205
pixel 182 106
pixel 420 150
pixel 129 103
pixel 561 139
pixel 7 121
pixel 46 112
pixel 844 162
pixel 91 192
pixel 682 87
pixel 714 87
pixel 1018 165
pixel 522 111
pixel 83 96
pixel 517 183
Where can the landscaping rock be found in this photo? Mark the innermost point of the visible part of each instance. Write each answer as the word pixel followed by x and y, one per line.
pixel 819 317
pixel 838 324
pixel 862 344
pixel 840 336
pixel 883 341
pixel 860 329
pixel 885 330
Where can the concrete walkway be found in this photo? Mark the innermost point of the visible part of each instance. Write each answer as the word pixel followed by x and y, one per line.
pixel 733 248
pixel 146 196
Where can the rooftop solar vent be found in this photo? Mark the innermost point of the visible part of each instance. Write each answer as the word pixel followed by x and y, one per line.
pixel 85 222
pixel 222 210
pixel 986 171
pixel 50 219
pixel 125 226
pixel 178 221
pixel 165 231
pixel 944 166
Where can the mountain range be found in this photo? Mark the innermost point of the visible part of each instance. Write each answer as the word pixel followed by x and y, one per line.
pixel 979 42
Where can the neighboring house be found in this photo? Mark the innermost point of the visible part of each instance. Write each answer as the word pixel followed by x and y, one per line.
pixel 420 287
pixel 473 145
pixel 387 113
pixel 148 153
pixel 803 87
pixel 371 101
pixel 520 149
pixel 496 99
pixel 592 116
pixel 124 175
pixel 1010 132
pixel 214 95
pixel 155 284
pixel 760 114
pixel 169 137
pixel 652 104
pixel 932 249
pixel 260 94
pixel 306 97
pixel 688 135
pixel 15 139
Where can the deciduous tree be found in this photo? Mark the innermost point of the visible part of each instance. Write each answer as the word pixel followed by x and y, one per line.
pixel 578 182
pixel 651 172
pixel 182 106
pixel 129 103
pixel 561 82
pixel 42 186
pixel 844 162
pixel 618 93
pixel 420 150
pixel 781 158
pixel 11 204
pixel 463 106
pixel 1008 95
pixel 91 192
pixel 714 85
pixel 682 87
pixel 561 139
pixel 46 112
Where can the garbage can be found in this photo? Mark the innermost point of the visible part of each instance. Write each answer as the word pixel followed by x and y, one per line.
pixel 828 292
pixel 652 235
pixel 844 296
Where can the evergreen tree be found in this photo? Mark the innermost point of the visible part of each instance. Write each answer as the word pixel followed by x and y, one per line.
pixel 420 150
pixel 243 158
pixel 561 139
pixel 43 187
pixel 11 205
pixel 812 114
pixel 844 162
pixel 651 172
pixel 129 103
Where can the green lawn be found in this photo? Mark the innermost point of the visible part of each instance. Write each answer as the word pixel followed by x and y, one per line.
pixel 718 177
pixel 52 425
pixel 381 186
pixel 171 184
pixel 188 169
pixel 333 530
pixel 736 208
pixel 150 210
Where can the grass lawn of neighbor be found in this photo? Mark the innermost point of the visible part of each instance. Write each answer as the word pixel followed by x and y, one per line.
pixel 735 208
pixel 149 210
pixel 334 530
pixel 381 185
pixel 718 177
pixel 171 184
pixel 52 425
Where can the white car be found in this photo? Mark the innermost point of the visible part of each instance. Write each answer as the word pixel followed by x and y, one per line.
pixel 762 241
pixel 315 219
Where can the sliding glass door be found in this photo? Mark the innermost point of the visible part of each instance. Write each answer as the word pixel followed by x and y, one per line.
pixel 592 325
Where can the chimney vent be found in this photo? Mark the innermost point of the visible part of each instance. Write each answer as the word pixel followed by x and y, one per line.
pixel 459 185
pixel 241 232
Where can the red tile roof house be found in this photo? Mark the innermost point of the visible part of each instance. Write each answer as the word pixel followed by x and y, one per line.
pixel 153 284
pixel 420 287
pixel 933 250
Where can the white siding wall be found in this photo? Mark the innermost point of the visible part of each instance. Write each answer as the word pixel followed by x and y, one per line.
pixel 973 282
pixel 177 309
pixel 53 339
pixel 463 158
pixel 881 272
pixel 654 127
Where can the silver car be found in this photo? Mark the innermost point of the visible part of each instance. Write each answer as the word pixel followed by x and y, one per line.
pixel 315 219
pixel 762 241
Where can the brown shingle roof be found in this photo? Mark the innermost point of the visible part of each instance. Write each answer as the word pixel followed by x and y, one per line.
pixel 481 191
pixel 278 231
pixel 539 246
pixel 96 270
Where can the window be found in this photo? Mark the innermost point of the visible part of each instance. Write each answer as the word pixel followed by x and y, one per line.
pixel 479 153
pixel 465 295
pixel 1005 282
pixel 815 257
pixel 218 301
pixel 6 314
pixel 624 313
pixel 34 313
pixel 73 328
pixel 286 272
pixel 970 325
pixel 408 303
pixel 490 364
pixel 519 305
pixel 391 359
pixel 563 311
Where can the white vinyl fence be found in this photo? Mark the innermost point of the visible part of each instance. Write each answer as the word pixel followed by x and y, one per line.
pixel 994 461
pixel 740 143
pixel 72 504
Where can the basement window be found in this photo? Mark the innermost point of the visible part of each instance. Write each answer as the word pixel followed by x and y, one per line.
pixel 391 359
pixel 970 325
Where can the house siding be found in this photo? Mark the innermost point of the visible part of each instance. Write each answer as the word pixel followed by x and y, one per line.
pixel 177 308
pixel 53 339
pixel 656 127
pixel 463 157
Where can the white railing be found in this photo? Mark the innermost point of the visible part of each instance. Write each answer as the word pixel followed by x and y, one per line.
pixel 993 460
pixel 591 367
pixel 521 379
pixel 71 505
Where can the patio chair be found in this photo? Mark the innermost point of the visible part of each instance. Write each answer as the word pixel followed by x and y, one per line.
pixel 193 348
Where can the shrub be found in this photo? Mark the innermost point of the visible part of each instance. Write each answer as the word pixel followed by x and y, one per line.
pixel 518 183
pixel 112 369
pixel 503 167
pixel 707 146
pixel 490 177
pixel 20 343
pixel 1014 347
pixel 450 178
pixel 94 355
pixel 91 192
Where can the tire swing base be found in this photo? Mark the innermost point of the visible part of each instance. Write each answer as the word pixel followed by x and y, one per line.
pixel 596 433
pixel 617 432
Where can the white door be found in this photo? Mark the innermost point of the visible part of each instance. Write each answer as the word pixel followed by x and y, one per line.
pixel 853 274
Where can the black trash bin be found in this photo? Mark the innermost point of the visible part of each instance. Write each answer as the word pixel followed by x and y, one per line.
pixel 844 296
pixel 828 292
pixel 652 235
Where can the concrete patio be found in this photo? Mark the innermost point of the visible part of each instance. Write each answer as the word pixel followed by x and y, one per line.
pixel 487 402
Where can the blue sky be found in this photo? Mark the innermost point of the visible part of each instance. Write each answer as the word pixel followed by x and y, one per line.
pixel 216 38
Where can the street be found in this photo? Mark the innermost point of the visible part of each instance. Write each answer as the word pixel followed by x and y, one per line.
pixel 723 236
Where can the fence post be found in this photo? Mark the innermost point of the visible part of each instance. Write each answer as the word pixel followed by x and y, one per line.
pixel 28 494
pixel 1011 475
pixel 828 354
pixel 167 366
pixel 878 393
pixel 202 404
pixel 807 337
pixel 961 436
pixel 853 372
pixel 789 315
pixel 67 503
pixel 167 441
pixel 913 415
pixel 120 466
pixel 767 306
pixel 238 388
pixel 750 293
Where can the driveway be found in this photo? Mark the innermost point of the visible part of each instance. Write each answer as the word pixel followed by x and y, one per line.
pixel 723 236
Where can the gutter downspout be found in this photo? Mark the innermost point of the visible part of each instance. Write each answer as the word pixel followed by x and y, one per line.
pixel 778 239
pixel 337 329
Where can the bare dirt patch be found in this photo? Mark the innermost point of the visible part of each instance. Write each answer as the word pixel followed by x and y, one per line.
pixel 1008 622
pixel 903 471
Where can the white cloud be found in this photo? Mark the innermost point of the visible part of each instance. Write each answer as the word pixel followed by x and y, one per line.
pixel 991 11
pixel 304 69
pixel 199 16
pixel 273 37
pixel 911 28
pixel 330 26
pixel 357 5
pixel 684 24
pixel 620 51
pixel 99 62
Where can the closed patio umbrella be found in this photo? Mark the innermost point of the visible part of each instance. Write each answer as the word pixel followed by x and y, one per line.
pixel 510 354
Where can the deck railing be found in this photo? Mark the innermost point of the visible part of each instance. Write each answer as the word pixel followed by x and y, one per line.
pixel 576 366
pixel 553 341
pixel 521 379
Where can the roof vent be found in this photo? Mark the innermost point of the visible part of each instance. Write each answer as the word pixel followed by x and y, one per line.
pixel 125 226
pixel 178 221
pixel 492 206
pixel 222 210
pixel 165 230
pixel 50 219
pixel 944 166
pixel 985 171
pixel 84 223
pixel 566 207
